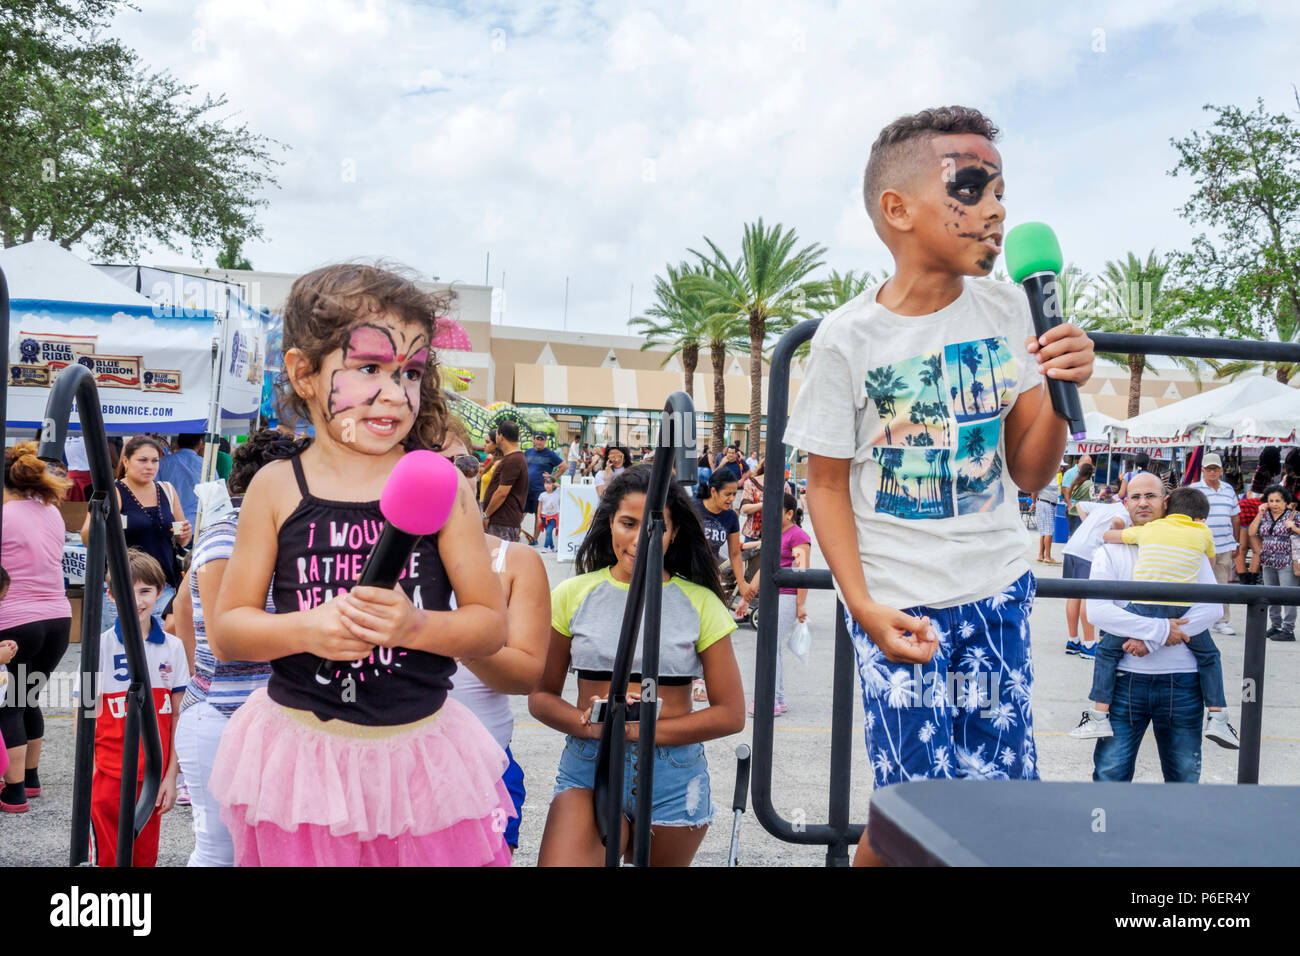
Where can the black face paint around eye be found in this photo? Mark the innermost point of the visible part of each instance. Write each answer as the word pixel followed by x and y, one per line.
pixel 967 178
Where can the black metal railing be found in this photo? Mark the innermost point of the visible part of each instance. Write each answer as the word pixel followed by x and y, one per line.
pixel 676 455
pixel 838 833
pixel 106 541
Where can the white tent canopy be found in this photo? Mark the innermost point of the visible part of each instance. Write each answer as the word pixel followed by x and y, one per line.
pixel 1097 436
pixel 1183 423
pixel 1274 418
pixel 45 270
pixel 153 369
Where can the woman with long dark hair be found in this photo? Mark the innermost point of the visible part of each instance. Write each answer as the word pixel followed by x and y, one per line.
pixel 151 514
pixel 1271 534
pixel 616 459
pixel 695 640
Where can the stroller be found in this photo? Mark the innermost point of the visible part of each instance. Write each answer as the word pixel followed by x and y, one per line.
pixel 749 556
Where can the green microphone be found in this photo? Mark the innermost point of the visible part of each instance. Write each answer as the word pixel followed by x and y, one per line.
pixel 1034 260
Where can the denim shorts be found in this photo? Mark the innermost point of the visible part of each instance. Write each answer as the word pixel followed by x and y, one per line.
pixel 681 796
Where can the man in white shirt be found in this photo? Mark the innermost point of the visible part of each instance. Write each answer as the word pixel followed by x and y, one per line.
pixel 1156 682
pixel 1224 522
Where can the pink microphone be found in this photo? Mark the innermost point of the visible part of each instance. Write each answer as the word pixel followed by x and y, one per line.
pixel 416 501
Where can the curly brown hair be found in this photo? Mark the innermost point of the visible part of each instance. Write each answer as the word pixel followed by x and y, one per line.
pixel 263 447
pixel 891 159
pixel 26 474
pixel 324 307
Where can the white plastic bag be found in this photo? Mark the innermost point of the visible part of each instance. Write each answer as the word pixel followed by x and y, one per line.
pixel 800 641
pixel 214 500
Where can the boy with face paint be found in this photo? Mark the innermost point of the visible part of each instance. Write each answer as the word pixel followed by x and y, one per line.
pixel 923 410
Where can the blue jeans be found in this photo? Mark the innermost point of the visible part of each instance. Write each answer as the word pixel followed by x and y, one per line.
pixel 549 522
pixel 1110 650
pixel 1172 704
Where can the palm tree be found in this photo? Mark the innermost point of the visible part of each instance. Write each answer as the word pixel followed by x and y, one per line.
pixel 1131 299
pixel 767 287
pixel 844 288
pixel 992 347
pixel 675 321
pixel 840 289
pixel 882 385
pixel 975 446
pixel 723 335
pixel 932 375
pixel 1287 330
pixel 972 360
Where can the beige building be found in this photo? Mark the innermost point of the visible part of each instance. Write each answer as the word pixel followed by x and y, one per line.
pixel 603 388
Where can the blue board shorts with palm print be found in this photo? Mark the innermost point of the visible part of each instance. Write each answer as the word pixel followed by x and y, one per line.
pixel 964 714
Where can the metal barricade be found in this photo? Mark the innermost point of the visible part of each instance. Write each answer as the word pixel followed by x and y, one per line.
pixel 838 833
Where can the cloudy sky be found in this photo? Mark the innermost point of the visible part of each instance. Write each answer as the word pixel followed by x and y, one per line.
pixel 598 141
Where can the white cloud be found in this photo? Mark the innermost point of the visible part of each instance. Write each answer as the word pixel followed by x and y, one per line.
pixel 599 142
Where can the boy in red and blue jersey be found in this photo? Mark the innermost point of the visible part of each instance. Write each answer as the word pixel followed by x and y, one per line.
pixel 168 674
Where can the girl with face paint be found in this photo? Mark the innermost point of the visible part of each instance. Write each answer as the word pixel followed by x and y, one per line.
pixel 359 366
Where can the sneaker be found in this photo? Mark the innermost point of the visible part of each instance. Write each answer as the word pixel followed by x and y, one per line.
pixel 1223 627
pixel 1271 631
pixel 182 795
pixel 1092 725
pixel 1073 647
pixel 1220 731
pixel 777 711
pixel 1282 635
pixel 1088 652
pixel 16 793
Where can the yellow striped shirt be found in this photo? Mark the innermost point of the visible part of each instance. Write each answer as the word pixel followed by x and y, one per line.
pixel 1170 549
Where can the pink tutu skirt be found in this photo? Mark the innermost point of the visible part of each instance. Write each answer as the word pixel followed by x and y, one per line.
pixel 299 791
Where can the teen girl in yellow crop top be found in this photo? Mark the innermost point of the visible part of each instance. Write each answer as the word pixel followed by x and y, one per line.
pixel 695 640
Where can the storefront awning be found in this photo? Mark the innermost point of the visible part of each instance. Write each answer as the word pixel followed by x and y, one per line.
pixel 631 390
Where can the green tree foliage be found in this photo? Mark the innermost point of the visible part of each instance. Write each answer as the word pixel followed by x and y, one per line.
pixel 231 255
pixel 96 148
pixel 1132 297
pixel 681 322
pixel 768 288
pixel 1246 170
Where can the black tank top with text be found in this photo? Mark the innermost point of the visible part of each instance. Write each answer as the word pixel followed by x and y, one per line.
pixel 322 547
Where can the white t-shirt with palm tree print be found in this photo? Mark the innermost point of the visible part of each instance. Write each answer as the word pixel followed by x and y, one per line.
pixel 917 403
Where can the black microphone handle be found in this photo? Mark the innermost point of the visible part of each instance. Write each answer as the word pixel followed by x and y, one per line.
pixel 382 569
pixel 1045 308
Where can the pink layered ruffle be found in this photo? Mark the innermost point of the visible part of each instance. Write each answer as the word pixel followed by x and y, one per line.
pixel 290 792
pixel 468 843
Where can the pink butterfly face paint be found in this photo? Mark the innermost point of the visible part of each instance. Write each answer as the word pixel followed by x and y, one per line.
pixel 376 357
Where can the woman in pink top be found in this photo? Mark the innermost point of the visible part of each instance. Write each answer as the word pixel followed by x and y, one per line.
pixel 35 613
pixel 796 552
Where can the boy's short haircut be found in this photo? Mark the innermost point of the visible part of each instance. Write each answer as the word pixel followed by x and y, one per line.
pixel 1190 502
pixel 145 569
pixel 895 154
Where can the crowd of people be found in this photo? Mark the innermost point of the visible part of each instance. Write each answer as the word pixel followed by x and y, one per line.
pixel 265 745
pixel 319 721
